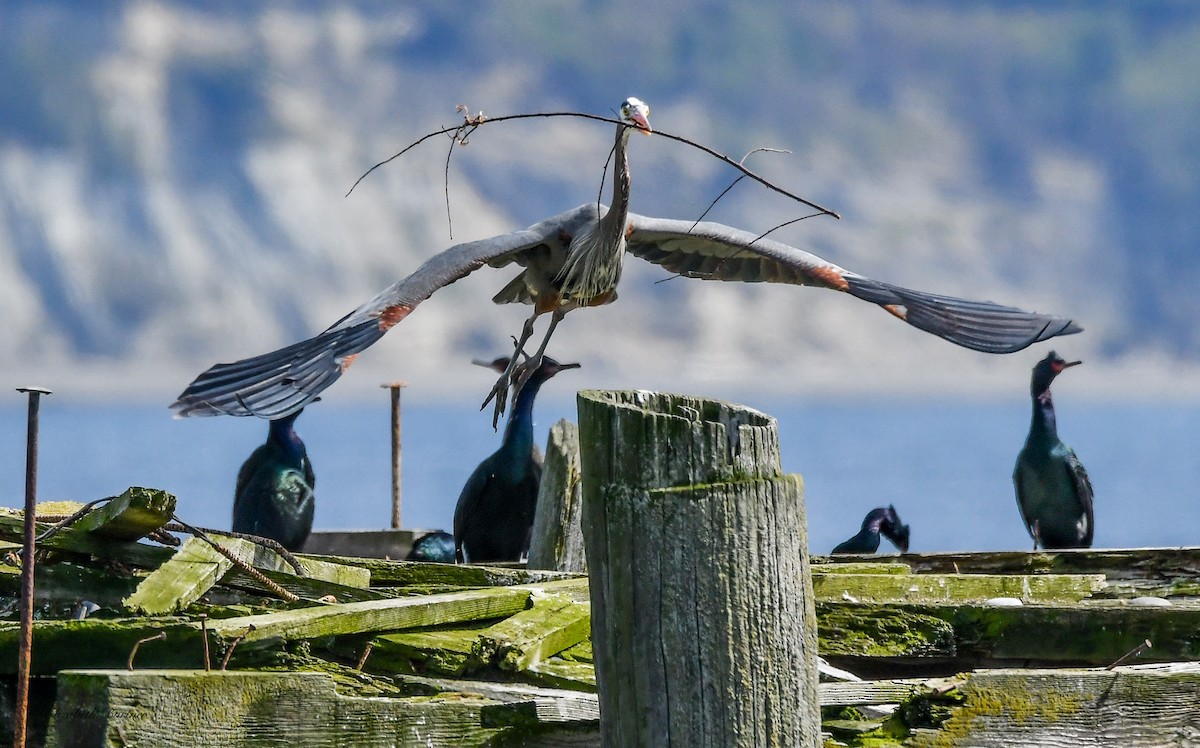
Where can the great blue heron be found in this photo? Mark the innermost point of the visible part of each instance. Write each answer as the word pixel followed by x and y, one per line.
pixel 494 514
pixel 274 493
pixel 574 259
pixel 881 521
pixel 1054 493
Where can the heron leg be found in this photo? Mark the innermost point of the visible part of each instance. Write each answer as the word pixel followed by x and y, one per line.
pixel 500 388
pixel 536 359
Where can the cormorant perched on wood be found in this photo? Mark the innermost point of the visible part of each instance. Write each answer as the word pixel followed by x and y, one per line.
pixel 435 547
pixel 274 494
pixel 494 514
pixel 1053 490
pixel 878 522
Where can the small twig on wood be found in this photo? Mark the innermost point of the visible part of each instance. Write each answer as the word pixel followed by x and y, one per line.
pixel 140 642
pixel 204 636
pixel 70 519
pixel 461 131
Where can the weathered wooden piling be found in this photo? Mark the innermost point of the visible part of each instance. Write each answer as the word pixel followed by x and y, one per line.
pixel 557 539
pixel 703 623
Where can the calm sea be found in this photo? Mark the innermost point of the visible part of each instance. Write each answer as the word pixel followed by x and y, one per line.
pixel 946 466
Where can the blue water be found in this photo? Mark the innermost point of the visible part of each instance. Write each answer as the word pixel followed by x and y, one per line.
pixel 945 465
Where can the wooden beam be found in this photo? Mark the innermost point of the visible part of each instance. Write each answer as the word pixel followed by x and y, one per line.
pixel 132 515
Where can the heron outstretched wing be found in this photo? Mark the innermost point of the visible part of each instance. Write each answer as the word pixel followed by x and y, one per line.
pixel 283 381
pixel 713 251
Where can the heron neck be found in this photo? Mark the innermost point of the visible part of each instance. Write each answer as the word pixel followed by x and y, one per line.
pixel 613 223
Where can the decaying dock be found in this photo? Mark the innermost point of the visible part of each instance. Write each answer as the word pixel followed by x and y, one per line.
pixel 141 643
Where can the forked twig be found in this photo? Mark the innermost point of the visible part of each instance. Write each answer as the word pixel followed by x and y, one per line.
pixel 461 131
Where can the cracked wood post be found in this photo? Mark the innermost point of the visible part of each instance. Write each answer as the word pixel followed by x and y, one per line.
pixel 557 536
pixel 703 621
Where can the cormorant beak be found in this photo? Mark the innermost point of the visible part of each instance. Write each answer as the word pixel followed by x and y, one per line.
pixel 1071 363
pixel 496 364
pixel 570 366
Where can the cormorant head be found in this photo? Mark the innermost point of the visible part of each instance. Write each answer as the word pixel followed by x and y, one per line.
pixel 636 112
pixel 1046 370
pixel 549 366
pixel 894 530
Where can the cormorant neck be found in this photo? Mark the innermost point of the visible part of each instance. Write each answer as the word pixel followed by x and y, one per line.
pixel 285 437
pixel 518 432
pixel 1042 423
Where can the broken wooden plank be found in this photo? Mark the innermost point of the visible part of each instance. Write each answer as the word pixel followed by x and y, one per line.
pixel 376 615
pixel 1124 563
pixel 386 573
pixel 558 673
pixel 132 515
pixel 550 625
pixel 191 572
pixel 885 638
pixel 955 588
pixel 255 709
pixel 58 587
pixel 1065 708
pixel 73 540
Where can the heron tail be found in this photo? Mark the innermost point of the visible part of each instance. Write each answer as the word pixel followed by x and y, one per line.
pixel 978 325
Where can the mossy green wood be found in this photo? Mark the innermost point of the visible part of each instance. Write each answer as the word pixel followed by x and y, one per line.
pixel 191 572
pixel 552 624
pixel 249 709
pixel 387 573
pixel 1095 634
pixel 702 612
pixel 1123 708
pixel 955 588
pixel 557 537
pixel 132 515
pixel 12 527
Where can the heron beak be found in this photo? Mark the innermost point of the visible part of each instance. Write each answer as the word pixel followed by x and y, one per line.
pixel 642 123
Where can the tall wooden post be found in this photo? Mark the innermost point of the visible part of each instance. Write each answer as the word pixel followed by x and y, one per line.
pixel 556 541
pixel 703 623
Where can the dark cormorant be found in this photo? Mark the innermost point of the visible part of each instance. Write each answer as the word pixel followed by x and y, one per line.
pixel 436 547
pixel 878 522
pixel 494 514
pixel 1053 490
pixel 274 494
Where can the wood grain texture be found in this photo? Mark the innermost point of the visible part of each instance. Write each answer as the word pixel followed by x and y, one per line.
pixel 703 624
pixel 1074 709
pixel 557 541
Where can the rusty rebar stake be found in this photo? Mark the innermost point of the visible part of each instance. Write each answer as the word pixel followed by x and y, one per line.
pixel 25 647
pixel 1131 654
pixel 366 653
pixel 395 388
pixel 137 645
pixel 204 635
pixel 233 645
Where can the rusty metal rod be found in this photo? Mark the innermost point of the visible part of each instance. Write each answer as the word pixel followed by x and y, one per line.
pixel 395 388
pixel 138 644
pixel 25 647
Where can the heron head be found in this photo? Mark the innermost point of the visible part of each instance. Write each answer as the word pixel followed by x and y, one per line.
pixel 636 112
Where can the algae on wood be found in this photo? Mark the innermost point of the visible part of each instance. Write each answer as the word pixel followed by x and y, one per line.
pixel 191 572
pixel 955 588
pixel 132 515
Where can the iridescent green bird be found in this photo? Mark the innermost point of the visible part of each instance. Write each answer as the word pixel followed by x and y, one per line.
pixel 274 493
pixel 1054 493
pixel 880 521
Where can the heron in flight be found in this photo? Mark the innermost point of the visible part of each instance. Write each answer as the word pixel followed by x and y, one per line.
pixel 572 260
